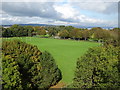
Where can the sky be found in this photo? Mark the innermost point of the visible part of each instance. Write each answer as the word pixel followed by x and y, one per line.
pixel 101 13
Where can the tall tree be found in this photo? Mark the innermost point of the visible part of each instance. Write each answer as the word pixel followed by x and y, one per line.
pixel 42 32
pixel 64 34
pixel 74 33
pixel 85 34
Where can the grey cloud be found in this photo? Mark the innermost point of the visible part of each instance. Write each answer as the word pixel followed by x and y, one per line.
pixel 30 9
pixel 47 11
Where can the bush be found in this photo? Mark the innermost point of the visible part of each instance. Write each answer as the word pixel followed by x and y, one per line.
pixel 26 67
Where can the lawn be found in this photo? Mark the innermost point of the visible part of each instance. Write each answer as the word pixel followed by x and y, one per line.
pixel 65 52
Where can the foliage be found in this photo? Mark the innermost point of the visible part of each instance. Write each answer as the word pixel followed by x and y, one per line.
pixel 42 32
pixel 64 34
pixel 29 30
pixel 98 68
pixel 6 32
pixel 95 34
pixel 85 34
pixel 74 33
pixel 10 75
pixel 52 32
pixel 114 38
pixel 17 31
pixel 24 66
pixel 49 71
pixel 99 33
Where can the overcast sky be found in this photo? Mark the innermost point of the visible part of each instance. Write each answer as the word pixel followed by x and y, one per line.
pixel 66 12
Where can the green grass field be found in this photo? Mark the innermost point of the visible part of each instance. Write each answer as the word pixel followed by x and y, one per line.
pixel 65 52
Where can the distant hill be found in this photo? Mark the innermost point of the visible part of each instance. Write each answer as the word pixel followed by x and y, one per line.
pixel 77 26
pixel 29 25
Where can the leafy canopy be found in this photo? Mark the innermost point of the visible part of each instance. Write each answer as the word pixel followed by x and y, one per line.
pixel 98 68
pixel 26 67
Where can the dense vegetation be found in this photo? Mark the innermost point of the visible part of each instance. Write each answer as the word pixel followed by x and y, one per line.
pixel 98 68
pixel 64 32
pixel 29 67
pixel 26 67
pixel 17 31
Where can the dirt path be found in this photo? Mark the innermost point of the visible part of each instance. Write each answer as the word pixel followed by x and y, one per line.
pixel 57 86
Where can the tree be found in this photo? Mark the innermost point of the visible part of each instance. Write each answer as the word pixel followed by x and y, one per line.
pixel 75 33
pixel 6 32
pixel 34 69
pixel 98 68
pixel 29 30
pixel 69 28
pixel 100 34
pixel 42 32
pixel 85 34
pixel 52 32
pixel 114 38
pixel 17 30
pixel 64 34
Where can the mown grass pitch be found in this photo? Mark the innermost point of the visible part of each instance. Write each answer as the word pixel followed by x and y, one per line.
pixel 65 52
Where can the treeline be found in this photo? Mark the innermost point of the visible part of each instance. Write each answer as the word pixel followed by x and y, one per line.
pixel 17 31
pixel 95 34
pixel 64 32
